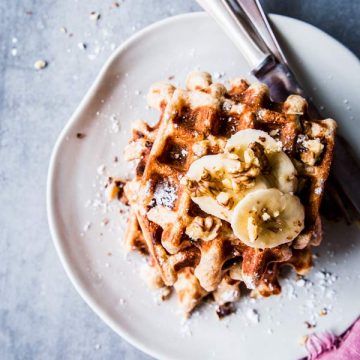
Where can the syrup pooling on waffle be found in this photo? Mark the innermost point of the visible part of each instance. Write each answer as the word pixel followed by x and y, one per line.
pixel 195 247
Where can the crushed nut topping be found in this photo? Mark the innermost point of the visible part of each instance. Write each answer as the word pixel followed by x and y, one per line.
pixel 204 228
pixel 263 219
pixel 225 199
pixel 202 147
pixel 237 178
pixel 310 150
pixel 115 189
pixel 255 162
pixel 207 185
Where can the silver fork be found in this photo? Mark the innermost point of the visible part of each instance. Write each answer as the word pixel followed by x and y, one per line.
pixel 246 24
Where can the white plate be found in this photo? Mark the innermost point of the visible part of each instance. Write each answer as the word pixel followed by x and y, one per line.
pixel 110 284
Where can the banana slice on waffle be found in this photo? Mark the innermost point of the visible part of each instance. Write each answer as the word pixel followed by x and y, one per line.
pixel 268 218
pixel 252 160
pixel 281 173
pixel 212 181
pixel 239 142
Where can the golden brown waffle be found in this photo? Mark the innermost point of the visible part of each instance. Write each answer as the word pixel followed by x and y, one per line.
pixel 196 122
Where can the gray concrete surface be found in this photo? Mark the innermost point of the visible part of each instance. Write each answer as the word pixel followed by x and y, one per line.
pixel 41 315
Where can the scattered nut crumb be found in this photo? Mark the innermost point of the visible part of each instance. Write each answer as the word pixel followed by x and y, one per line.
pixel 171 77
pixel 105 222
pixel 323 312
pixel 82 46
pixel 80 135
pixel 40 64
pixel 115 4
pixel 302 341
pixel 309 325
pixel 95 16
pixel 63 29
pixel 115 159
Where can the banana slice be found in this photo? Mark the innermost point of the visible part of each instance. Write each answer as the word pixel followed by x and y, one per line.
pixel 239 142
pixel 212 163
pixel 268 218
pixel 282 171
pixel 283 174
pixel 216 195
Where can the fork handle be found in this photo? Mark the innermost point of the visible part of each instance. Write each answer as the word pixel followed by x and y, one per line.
pixel 255 14
pixel 238 29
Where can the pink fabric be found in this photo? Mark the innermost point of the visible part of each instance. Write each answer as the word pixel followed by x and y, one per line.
pixel 330 347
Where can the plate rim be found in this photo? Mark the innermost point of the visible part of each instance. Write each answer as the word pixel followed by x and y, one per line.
pixel 54 225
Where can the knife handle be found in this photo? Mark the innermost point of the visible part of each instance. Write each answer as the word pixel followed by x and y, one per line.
pixel 238 29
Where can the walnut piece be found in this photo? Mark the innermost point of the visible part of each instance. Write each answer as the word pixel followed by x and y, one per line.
pixel 202 147
pixel 204 228
pixel 311 150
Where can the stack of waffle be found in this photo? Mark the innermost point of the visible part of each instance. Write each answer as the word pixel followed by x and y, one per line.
pixel 197 122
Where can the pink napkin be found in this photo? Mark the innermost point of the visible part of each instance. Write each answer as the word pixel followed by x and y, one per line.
pixel 330 347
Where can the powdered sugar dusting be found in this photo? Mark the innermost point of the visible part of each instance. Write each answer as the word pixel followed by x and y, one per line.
pixel 165 194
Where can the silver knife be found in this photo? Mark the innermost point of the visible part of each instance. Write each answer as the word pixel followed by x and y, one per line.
pixel 245 23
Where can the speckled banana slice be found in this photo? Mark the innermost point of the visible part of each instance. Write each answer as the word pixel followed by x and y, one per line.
pixel 220 202
pixel 239 142
pixel 282 171
pixel 267 218
pixel 283 174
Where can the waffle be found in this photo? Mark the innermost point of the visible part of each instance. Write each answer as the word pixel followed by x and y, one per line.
pixel 197 121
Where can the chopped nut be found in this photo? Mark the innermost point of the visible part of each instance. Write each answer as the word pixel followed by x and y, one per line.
pixel 309 325
pixel 205 229
pixel 40 64
pixel 310 150
pixel 112 192
pixel 202 147
pixel 95 16
pixel 207 185
pixel 80 135
pixel 303 340
pixel 82 46
pixel 104 222
pixel 225 199
pixel 115 190
pixel 323 312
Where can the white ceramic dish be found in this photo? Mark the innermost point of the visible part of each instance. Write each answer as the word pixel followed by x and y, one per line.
pixel 92 254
